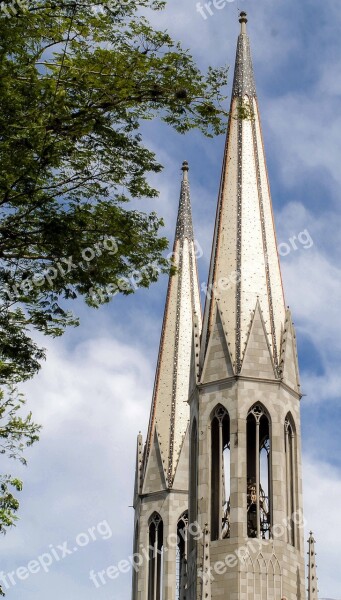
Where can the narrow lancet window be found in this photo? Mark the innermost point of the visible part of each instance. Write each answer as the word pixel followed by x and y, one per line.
pixel 155 557
pixel 258 473
pixel 289 435
pixel 220 474
pixel 181 557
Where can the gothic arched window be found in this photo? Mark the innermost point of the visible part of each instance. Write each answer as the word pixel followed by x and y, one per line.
pixel 258 473
pixel 181 556
pixel 290 454
pixel 220 474
pixel 155 557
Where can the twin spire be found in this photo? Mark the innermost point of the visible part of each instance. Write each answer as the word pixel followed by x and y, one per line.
pixel 170 411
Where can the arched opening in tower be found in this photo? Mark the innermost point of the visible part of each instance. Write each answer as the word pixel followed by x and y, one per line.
pixel 181 557
pixel 155 557
pixel 220 474
pixel 258 473
pixel 290 460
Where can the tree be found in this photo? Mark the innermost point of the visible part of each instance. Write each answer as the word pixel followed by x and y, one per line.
pixel 77 79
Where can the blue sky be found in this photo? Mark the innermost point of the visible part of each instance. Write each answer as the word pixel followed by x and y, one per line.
pixel 94 391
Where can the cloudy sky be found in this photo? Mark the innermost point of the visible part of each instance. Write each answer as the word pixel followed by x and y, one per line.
pixel 93 394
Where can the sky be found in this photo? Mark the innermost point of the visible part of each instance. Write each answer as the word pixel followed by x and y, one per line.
pixel 93 393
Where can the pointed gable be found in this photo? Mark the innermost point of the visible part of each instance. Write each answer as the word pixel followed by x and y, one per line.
pixel 218 364
pixel 289 360
pixel 257 361
pixel 181 469
pixel 155 477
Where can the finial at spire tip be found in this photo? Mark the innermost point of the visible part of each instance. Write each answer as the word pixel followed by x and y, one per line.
pixel 185 169
pixel 243 21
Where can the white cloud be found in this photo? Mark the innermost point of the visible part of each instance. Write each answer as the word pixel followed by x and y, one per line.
pixel 322 485
pixel 311 274
pixel 92 400
pixel 305 130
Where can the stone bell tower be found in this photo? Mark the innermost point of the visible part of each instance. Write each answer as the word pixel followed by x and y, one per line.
pixel 245 441
pixel 161 483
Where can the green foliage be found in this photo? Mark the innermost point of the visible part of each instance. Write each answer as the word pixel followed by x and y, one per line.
pixel 75 86
pixel 77 80
pixel 16 432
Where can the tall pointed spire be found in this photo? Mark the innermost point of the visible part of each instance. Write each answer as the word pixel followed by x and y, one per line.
pixel 245 412
pixel 244 263
pixel 312 576
pixel 170 412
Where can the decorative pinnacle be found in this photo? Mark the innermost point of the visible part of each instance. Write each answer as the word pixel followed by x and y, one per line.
pixel 312 575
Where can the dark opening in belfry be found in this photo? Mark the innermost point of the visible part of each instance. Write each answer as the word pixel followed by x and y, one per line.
pixel 258 473
pixel 220 474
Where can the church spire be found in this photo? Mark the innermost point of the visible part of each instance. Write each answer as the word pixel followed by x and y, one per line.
pixel 170 412
pixel 245 446
pixel 312 577
pixel 244 269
